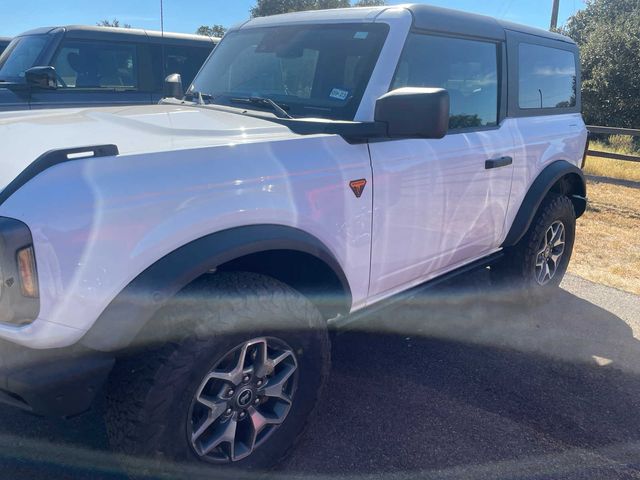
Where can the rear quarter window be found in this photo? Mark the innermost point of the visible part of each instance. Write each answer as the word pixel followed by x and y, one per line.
pixel 547 77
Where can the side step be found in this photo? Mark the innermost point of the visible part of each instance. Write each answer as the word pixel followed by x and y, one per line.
pixel 343 321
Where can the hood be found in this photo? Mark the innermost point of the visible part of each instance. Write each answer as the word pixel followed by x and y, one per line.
pixel 25 135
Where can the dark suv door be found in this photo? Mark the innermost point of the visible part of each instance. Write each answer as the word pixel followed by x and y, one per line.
pixel 95 72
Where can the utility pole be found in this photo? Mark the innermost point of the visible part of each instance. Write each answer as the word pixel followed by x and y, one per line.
pixel 554 15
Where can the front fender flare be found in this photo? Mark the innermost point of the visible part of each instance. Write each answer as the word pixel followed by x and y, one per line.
pixel 127 314
pixel 539 189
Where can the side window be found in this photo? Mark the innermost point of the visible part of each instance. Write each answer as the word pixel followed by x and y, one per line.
pixel 547 77
pixel 468 69
pixel 184 60
pixel 97 65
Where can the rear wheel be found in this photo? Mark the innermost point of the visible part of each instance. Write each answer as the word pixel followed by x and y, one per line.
pixel 236 371
pixel 540 259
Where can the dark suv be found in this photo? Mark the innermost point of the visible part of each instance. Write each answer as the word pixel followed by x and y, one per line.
pixel 79 66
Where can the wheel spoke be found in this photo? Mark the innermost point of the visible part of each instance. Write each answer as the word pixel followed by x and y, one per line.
pixel 235 375
pixel 215 410
pixel 227 435
pixel 275 386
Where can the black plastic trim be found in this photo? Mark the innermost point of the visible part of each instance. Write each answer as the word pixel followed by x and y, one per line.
pixel 538 190
pixel 126 315
pixel 53 382
pixel 51 159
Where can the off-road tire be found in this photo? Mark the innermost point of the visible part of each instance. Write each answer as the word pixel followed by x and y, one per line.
pixel 518 266
pixel 149 393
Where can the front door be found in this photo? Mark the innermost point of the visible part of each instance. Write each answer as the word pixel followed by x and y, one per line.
pixel 439 204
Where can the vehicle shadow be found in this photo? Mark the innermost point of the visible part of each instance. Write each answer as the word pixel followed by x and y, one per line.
pixel 462 382
pixel 468 382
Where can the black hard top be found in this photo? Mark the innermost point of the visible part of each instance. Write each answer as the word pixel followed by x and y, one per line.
pixel 85 31
pixel 445 20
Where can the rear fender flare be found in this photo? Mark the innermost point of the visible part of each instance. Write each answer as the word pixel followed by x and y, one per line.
pixel 539 189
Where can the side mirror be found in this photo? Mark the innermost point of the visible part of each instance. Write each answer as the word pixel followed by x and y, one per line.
pixel 173 86
pixel 414 112
pixel 42 77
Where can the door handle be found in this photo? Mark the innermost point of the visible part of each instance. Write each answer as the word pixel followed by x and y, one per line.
pixel 498 162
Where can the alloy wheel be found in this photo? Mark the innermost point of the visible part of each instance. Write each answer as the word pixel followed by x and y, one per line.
pixel 243 400
pixel 550 253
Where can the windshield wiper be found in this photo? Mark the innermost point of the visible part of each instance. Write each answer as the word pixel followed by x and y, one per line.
pixel 264 102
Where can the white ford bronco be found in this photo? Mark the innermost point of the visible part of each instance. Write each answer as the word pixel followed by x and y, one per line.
pixel 184 259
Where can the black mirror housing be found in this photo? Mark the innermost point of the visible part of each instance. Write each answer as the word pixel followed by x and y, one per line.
pixel 42 77
pixel 414 112
pixel 173 86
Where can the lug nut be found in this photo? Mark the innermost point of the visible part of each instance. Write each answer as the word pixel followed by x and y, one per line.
pixel 246 378
pixel 230 392
pixel 242 414
pixel 260 382
pixel 256 401
pixel 228 412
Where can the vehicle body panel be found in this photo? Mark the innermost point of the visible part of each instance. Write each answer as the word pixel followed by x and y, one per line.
pixel 119 210
pixel 436 206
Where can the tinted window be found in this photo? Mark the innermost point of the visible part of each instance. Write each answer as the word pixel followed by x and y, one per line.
pixel 184 60
pixel 314 70
pixel 468 69
pixel 21 54
pixel 547 77
pixel 97 65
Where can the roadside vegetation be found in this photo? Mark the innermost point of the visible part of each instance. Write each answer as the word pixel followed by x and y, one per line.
pixel 605 167
pixel 607 249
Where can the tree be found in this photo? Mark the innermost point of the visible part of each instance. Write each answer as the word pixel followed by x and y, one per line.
pixel 369 3
pixel 608 34
pixel 211 31
pixel 113 23
pixel 264 8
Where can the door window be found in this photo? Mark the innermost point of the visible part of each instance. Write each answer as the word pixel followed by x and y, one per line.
pixel 468 69
pixel 94 65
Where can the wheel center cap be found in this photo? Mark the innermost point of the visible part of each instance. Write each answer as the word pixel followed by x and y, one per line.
pixel 245 397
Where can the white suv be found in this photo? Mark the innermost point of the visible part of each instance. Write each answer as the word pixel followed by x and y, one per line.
pixel 188 255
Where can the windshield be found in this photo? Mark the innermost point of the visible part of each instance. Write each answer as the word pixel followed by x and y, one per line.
pixel 309 70
pixel 21 54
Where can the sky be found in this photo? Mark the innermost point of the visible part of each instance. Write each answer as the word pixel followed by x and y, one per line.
pixel 187 15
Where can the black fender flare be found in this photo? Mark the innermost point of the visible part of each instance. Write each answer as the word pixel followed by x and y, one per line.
pixel 136 304
pixel 539 189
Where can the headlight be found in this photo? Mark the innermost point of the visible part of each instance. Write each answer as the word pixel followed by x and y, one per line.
pixel 19 290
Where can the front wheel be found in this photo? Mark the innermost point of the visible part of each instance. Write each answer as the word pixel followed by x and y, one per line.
pixel 540 259
pixel 234 369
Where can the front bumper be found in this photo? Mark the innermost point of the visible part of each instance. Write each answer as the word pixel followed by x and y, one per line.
pixel 54 382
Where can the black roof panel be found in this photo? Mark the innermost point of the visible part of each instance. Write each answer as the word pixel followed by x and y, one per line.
pixel 445 20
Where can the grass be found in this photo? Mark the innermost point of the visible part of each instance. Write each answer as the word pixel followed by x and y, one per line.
pixel 604 167
pixel 607 249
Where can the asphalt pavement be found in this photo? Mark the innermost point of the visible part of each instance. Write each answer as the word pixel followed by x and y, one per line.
pixel 464 382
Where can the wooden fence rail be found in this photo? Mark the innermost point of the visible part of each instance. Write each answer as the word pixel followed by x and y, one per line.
pixel 614 131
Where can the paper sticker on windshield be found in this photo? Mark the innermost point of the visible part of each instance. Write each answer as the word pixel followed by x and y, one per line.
pixel 339 94
pixel 361 35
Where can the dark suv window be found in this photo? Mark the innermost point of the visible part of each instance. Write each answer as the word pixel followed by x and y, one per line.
pixel 97 65
pixel 468 69
pixel 21 54
pixel 547 77
pixel 184 60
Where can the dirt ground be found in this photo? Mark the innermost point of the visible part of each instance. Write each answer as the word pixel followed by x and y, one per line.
pixel 607 249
